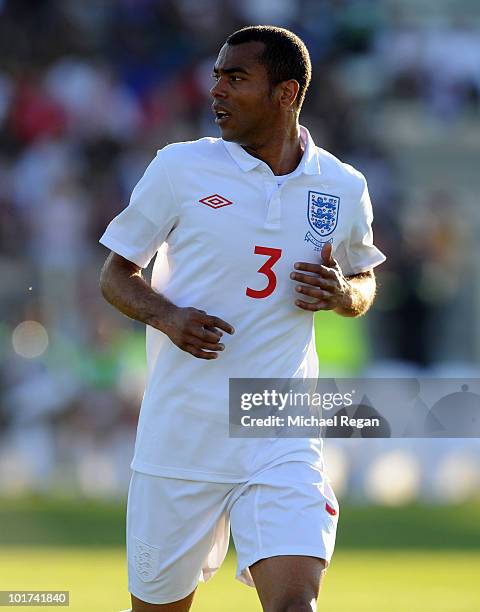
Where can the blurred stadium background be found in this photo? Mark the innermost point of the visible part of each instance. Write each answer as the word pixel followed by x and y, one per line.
pixel 88 92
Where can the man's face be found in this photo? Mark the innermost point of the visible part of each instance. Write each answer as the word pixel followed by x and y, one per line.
pixel 242 102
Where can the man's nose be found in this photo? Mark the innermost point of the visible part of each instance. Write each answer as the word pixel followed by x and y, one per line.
pixel 218 89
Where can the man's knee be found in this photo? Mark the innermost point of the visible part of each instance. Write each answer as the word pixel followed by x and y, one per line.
pixel 298 603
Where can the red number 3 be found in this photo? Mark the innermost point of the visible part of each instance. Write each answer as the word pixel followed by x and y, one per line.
pixel 273 256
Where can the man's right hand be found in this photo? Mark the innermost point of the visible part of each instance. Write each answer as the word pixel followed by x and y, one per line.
pixel 192 330
pixel 196 332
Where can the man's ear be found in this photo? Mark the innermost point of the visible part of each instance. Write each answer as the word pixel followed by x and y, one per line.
pixel 288 93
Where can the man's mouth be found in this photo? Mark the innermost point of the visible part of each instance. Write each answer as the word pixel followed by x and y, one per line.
pixel 221 117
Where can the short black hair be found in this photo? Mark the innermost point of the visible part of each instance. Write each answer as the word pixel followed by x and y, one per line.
pixel 285 56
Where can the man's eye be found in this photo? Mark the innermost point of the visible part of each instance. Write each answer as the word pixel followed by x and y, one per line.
pixel 233 77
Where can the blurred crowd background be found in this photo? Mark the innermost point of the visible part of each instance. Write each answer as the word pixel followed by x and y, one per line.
pixel 90 90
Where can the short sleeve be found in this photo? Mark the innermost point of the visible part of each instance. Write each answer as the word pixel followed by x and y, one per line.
pixel 360 254
pixel 140 229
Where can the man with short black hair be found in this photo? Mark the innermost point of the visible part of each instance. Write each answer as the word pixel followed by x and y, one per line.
pixel 284 56
pixel 245 228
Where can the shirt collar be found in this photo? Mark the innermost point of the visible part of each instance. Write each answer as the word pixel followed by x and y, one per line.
pixel 309 164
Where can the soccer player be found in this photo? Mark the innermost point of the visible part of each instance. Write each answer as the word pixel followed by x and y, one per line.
pixel 254 232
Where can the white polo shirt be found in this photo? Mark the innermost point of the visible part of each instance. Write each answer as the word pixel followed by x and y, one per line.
pixel 216 215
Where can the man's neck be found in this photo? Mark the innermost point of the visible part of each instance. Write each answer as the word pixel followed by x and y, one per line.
pixel 283 150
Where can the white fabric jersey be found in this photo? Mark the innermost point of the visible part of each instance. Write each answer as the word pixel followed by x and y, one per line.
pixel 220 216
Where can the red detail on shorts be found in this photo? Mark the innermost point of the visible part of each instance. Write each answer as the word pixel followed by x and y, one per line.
pixel 215 201
pixel 330 510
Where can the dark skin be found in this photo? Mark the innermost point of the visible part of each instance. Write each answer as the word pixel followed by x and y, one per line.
pixel 263 119
pixel 349 296
pixel 192 330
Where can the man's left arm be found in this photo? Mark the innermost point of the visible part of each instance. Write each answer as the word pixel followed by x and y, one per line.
pixel 349 296
pixel 359 296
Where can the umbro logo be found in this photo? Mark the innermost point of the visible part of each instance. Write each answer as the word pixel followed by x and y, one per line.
pixel 215 201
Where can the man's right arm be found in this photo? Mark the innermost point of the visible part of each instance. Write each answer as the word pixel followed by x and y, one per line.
pixel 192 330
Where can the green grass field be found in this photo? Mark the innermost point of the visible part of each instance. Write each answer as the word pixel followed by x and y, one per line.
pixel 411 559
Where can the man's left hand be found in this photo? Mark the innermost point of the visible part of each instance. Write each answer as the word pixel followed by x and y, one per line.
pixel 324 282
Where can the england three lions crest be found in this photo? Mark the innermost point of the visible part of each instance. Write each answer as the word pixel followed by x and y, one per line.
pixel 322 213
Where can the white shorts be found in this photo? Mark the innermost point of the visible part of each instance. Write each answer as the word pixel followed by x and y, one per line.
pixel 178 530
